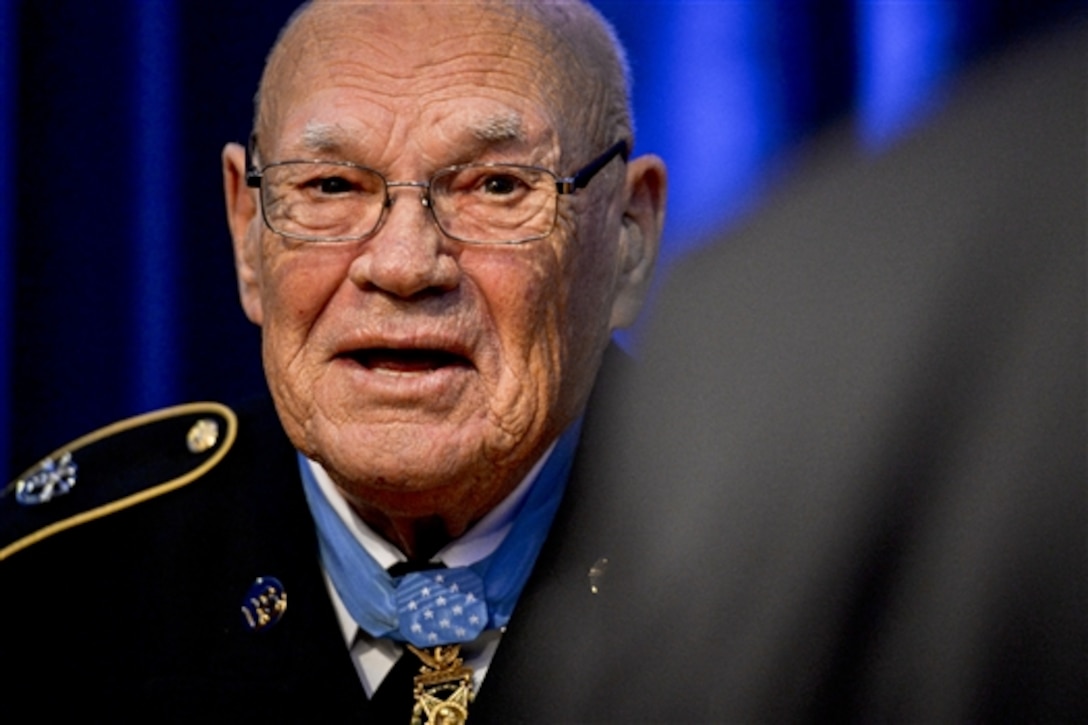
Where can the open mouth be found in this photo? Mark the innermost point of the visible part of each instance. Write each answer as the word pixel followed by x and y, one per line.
pixel 413 360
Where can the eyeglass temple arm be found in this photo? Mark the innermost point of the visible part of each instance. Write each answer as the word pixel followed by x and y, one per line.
pixel 580 180
pixel 253 176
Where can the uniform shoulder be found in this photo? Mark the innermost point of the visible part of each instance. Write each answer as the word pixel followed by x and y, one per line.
pixel 112 469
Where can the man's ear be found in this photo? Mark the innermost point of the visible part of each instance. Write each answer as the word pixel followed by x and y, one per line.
pixel 241 218
pixel 640 237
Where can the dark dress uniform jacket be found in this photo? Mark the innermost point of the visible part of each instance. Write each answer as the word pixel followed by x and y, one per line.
pixel 138 611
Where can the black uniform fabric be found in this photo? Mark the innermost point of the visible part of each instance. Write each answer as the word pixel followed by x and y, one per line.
pixel 848 484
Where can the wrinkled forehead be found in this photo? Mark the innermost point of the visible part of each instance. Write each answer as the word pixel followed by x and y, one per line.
pixel 403 57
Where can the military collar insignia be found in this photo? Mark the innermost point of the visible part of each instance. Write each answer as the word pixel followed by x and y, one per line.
pixel 51 477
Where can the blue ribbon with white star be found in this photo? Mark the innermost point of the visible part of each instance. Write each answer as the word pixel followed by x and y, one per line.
pixel 441 606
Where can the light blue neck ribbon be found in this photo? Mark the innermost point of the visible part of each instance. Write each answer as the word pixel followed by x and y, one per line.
pixel 445 605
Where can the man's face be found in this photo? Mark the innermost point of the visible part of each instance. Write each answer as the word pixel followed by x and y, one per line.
pixel 412 365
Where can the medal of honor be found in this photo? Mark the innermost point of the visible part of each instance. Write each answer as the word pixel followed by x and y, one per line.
pixel 443 688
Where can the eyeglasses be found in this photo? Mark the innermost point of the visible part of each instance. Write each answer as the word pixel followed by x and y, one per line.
pixel 338 201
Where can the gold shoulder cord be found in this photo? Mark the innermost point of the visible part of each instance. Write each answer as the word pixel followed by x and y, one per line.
pixel 443 689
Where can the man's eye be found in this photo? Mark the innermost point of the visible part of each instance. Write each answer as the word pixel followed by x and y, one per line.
pixel 485 184
pixel 501 185
pixel 332 185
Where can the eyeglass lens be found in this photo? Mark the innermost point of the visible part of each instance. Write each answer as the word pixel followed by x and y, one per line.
pixel 491 204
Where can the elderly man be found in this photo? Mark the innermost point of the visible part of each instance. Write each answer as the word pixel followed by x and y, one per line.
pixel 437 224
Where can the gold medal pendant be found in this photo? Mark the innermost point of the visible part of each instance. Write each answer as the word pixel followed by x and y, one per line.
pixel 443 688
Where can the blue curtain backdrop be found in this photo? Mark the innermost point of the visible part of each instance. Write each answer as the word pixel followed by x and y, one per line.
pixel 117 292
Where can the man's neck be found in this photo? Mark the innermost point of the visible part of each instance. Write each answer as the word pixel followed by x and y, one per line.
pixel 420 538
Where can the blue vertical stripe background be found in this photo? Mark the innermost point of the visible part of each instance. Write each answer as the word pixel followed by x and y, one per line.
pixel 905 50
pixel 116 277
pixel 153 157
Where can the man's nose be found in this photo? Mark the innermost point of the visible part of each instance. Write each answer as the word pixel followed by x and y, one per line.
pixel 408 255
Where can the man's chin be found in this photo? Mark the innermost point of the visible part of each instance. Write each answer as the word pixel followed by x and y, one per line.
pixel 409 459
pixel 382 491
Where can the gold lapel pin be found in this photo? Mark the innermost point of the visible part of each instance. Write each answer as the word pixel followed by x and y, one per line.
pixel 202 436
